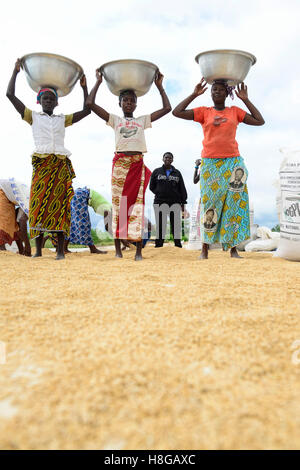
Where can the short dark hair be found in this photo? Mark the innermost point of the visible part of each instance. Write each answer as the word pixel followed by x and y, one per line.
pixel 210 210
pixel 168 153
pixel 241 169
pixel 127 92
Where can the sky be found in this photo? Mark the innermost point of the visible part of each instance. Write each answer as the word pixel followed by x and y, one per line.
pixel 169 33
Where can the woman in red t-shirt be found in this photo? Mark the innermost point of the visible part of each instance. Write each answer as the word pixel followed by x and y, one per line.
pixel 223 176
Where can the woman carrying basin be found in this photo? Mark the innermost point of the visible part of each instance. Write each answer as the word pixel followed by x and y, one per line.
pixel 223 176
pixel 51 186
pixel 130 176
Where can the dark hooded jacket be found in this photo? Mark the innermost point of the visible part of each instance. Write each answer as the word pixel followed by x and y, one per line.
pixel 169 189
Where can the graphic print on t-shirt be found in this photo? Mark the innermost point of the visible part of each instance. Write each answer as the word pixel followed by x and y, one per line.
pixel 218 120
pixel 128 131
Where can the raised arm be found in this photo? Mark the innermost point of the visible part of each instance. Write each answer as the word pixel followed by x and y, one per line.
pixel 180 111
pixel 90 101
pixel 85 111
pixel 20 107
pixel 165 100
pixel 254 118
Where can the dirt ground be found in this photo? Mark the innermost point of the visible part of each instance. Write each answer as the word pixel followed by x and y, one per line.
pixel 167 353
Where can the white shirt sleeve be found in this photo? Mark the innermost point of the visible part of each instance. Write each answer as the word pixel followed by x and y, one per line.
pixel 147 121
pixel 111 120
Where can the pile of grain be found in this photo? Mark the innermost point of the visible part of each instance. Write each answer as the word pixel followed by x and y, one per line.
pixel 168 353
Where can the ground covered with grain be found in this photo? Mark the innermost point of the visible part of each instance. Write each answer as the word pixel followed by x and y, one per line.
pixel 168 353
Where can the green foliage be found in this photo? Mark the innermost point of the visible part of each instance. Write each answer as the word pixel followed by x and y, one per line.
pixel 169 236
pixel 171 239
pixel 276 228
pixel 102 238
pixel 95 237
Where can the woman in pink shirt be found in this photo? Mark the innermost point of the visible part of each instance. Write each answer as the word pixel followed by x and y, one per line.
pixel 223 175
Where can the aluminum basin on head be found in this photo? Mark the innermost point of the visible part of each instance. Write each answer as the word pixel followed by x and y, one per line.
pixel 228 64
pixel 44 69
pixel 129 74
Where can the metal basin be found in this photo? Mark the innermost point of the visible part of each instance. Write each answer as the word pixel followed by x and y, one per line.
pixel 228 64
pixel 55 71
pixel 129 74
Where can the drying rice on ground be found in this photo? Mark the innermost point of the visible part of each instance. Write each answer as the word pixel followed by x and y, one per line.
pixel 168 353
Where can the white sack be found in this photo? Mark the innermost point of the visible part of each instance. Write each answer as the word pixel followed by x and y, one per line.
pixel 289 246
pixel 194 233
pixel 263 245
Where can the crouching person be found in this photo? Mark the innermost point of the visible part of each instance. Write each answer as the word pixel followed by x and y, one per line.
pixel 14 210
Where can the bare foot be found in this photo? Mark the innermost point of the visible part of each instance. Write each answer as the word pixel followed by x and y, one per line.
pixel 204 252
pixel 60 256
pixel 118 248
pixel 138 253
pixel 37 255
pixel 98 252
pixel 234 253
pixel 95 250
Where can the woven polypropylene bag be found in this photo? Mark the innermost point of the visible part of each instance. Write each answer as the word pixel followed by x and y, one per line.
pixel 289 245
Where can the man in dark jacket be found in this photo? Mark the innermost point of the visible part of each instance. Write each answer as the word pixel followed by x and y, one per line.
pixel 170 197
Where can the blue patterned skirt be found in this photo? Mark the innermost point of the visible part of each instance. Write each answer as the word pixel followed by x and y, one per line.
pixel 80 232
pixel 224 215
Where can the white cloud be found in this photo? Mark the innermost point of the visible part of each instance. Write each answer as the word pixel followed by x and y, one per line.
pixel 169 33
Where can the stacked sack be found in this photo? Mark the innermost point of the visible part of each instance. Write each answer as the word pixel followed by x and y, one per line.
pixel 194 232
pixel 266 240
pixel 289 245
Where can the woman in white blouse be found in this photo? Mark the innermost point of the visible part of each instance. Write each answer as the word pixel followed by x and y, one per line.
pixel 51 187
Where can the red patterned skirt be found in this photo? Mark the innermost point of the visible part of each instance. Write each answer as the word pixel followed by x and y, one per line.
pixel 130 178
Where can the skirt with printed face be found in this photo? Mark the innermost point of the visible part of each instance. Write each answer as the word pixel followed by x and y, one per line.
pixel 224 214
pixel 50 195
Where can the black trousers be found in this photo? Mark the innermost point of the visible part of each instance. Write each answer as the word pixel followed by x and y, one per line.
pixel 162 212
